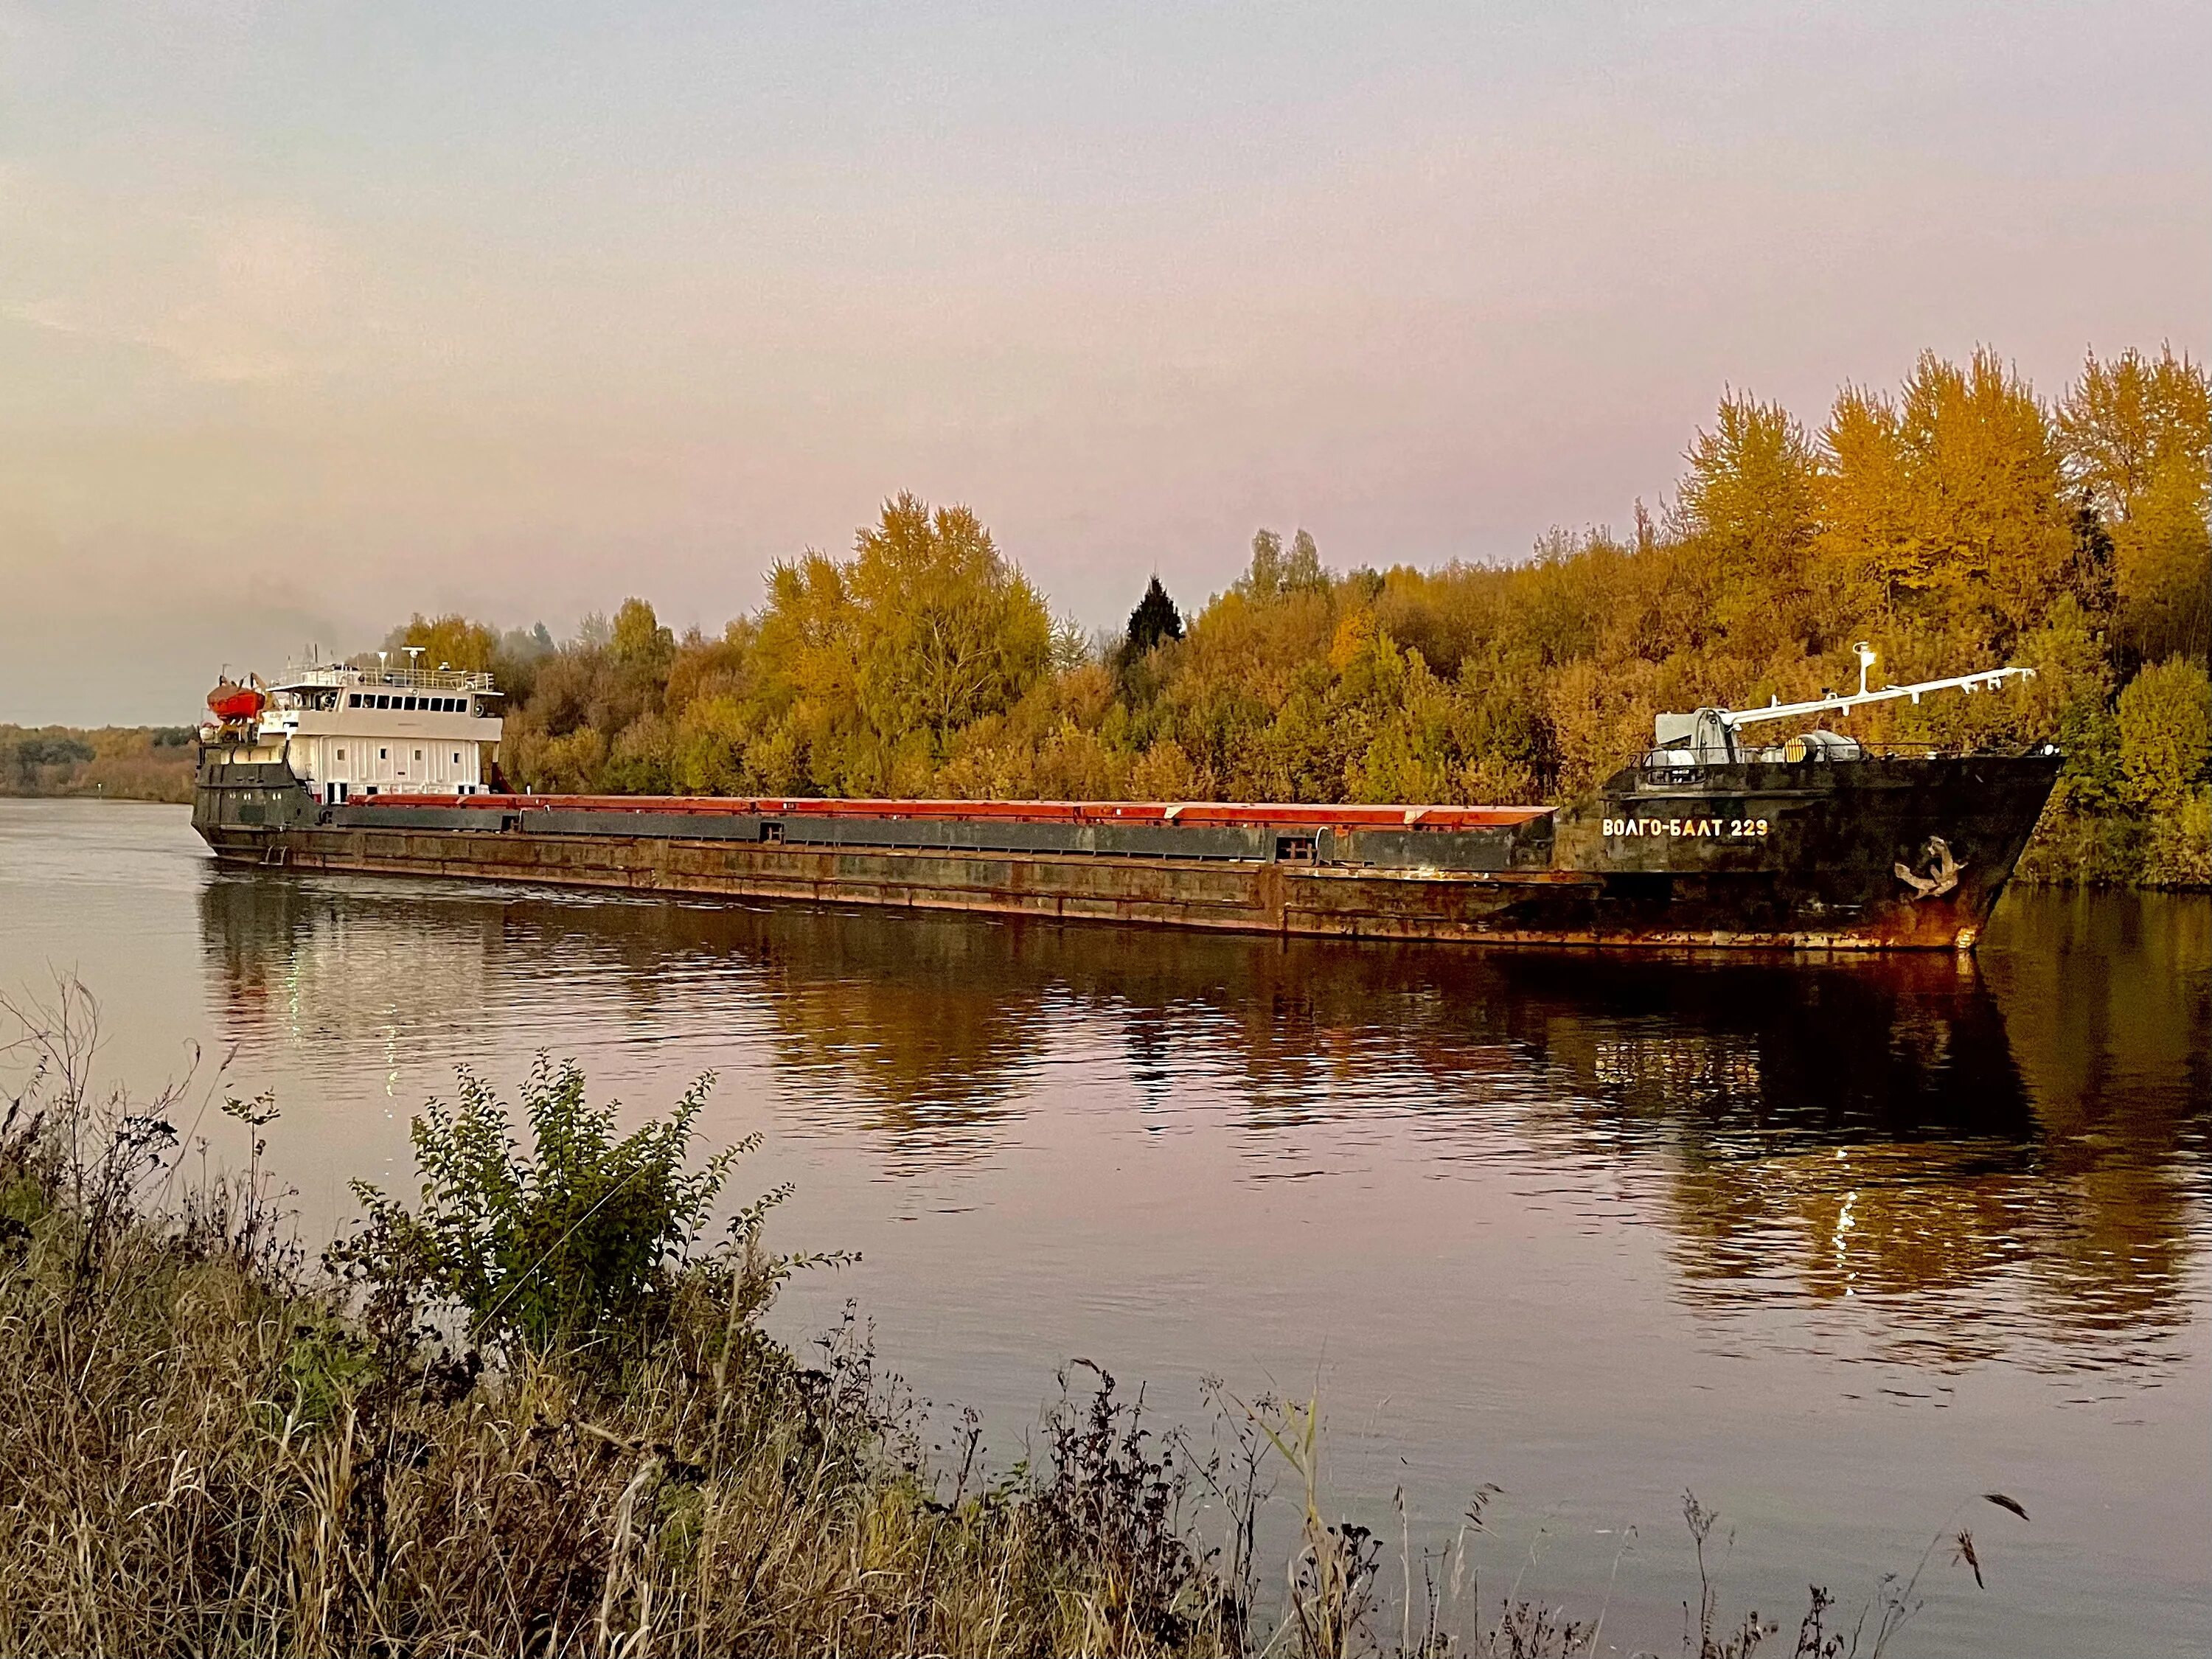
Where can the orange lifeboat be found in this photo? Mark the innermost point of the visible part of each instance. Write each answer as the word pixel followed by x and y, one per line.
pixel 230 701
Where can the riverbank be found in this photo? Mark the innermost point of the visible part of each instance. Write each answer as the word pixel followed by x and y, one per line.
pixel 2166 850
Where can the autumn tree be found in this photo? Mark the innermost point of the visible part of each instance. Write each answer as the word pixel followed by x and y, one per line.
pixel 2136 434
pixel 2165 729
pixel 637 640
pixel 949 629
pixel 1752 488
pixel 867 667
pixel 1948 502
pixel 1746 511
pixel 448 642
pixel 1273 573
pixel 2166 734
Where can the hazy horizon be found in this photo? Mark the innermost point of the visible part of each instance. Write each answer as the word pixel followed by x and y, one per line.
pixel 311 319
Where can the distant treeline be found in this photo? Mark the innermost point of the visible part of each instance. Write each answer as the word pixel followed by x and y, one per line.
pixel 130 762
pixel 1958 523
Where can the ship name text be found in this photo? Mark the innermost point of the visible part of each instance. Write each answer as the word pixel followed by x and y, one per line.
pixel 1685 828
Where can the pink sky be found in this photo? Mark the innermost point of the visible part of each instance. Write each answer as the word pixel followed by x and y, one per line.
pixel 310 317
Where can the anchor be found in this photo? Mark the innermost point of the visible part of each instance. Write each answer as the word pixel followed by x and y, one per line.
pixel 1941 866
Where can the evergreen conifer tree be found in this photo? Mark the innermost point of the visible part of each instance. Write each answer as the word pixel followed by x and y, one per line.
pixel 1155 618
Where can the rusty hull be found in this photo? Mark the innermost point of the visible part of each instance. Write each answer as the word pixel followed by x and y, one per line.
pixel 1823 874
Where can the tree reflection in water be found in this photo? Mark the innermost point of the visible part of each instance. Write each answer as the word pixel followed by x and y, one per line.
pixel 1923 1138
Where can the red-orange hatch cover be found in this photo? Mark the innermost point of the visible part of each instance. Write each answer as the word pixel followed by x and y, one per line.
pixel 1211 814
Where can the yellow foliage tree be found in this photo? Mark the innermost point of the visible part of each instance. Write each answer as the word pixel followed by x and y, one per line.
pixel 2166 734
pixel 448 642
pixel 2136 435
pixel 1949 501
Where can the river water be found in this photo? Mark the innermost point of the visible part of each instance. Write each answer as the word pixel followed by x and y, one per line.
pixel 1839 1245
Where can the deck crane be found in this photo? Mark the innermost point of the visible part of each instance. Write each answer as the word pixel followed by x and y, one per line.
pixel 1707 737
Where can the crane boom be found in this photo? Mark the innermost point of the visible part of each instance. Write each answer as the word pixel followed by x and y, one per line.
pixel 1988 680
pixel 1709 735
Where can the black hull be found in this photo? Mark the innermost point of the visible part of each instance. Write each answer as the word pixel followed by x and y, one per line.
pixel 1872 854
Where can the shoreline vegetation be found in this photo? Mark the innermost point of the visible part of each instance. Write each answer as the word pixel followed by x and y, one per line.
pixel 1960 522
pixel 536 1412
pixel 119 763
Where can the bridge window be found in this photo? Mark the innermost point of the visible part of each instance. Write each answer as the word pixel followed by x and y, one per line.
pixel 1294 849
pixel 772 833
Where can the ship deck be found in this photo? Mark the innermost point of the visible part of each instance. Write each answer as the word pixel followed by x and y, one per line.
pixel 1183 814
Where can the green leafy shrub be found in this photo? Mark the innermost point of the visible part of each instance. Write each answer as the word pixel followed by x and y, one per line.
pixel 575 1235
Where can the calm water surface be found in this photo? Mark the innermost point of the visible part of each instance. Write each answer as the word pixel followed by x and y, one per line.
pixel 1838 1246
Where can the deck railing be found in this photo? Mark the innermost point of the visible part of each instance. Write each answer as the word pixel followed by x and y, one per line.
pixel 403 679
pixel 1667 764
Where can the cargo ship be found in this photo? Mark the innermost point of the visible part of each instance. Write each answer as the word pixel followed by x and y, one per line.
pixel 1817 841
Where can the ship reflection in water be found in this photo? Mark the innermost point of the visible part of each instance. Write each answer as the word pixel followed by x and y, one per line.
pixel 1973 1159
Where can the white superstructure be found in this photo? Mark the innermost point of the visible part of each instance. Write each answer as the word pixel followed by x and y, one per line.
pixel 349 734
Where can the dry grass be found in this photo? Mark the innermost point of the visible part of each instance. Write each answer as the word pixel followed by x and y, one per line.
pixel 205 1446
pixel 195 1457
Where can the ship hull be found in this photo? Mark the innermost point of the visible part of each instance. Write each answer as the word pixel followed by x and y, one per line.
pixel 1774 857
